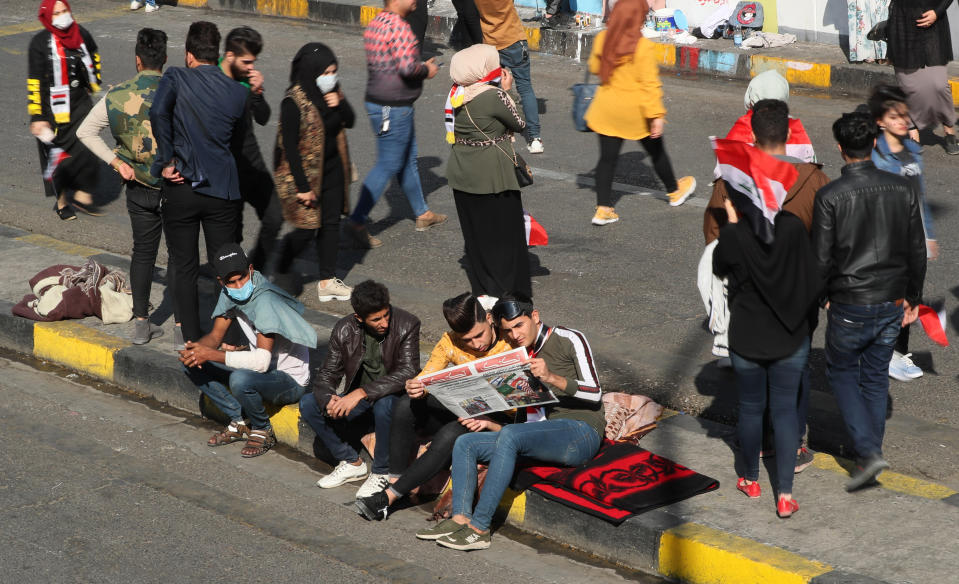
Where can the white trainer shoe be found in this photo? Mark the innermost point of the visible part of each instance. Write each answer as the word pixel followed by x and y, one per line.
pixel 342 474
pixel 902 368
pixel 152 8
pixel 535 146
pixel 335 289
pixel 374 484
pixel 136 5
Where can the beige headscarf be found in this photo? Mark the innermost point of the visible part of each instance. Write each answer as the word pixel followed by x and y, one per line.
pixel 766 85
pixel 473 70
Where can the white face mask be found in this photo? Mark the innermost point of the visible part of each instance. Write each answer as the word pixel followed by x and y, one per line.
pixel 62 21
pixel 326 83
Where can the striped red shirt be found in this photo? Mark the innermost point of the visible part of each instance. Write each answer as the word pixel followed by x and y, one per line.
pixel 395 71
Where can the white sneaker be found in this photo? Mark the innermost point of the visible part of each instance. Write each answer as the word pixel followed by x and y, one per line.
pixel 152 8
pixel 487 301
pixel 902 368
pixel 136 5
pixel 342 474
pixel 535 146
pixel 374 484
pixel 334 290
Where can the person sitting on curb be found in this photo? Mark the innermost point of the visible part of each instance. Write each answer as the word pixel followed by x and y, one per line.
pixel 376 349
pixel 472 336
pixel 567 433
pixel 275 367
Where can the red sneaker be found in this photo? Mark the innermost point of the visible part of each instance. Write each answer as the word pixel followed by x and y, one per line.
pixel 786 507
pixel 752 489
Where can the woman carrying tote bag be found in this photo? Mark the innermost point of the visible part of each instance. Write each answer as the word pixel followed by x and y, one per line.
pixel 629 105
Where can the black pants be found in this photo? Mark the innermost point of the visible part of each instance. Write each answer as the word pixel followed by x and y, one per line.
pixel 467 27
pixel 327 237
pixel 143 205
pixel 609 147
pixel 418 20
pixel 184 212
pixel 257 189
pixel 494 237
pixel 902 341
pixel 429 417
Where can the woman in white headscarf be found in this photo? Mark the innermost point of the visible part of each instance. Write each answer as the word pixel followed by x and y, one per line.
pixel 481 119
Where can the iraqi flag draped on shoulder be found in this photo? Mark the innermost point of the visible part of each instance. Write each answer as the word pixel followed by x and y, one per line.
pixel 757 183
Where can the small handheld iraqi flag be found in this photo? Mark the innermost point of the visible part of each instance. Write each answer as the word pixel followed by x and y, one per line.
pixel 758 183
pixel 535 233
pixel 934 323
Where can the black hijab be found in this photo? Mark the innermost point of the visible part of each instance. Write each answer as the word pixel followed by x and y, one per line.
pixel 309 63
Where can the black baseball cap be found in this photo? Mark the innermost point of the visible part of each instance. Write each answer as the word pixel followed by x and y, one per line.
pixel 230 259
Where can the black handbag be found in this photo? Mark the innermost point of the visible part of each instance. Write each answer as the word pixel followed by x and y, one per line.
pixel 583 94
pixel 524 174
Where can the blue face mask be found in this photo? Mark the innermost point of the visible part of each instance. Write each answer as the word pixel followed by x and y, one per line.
pixel 241 294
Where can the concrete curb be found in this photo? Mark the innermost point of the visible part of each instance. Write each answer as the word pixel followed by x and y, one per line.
pixel 653 542
pixel 842 79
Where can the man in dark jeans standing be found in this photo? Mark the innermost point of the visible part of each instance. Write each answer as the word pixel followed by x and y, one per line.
pixel 240 51
pixel 197 115
pixel 503 29
pixel 375 349
pixel 870 245
pixel 125 109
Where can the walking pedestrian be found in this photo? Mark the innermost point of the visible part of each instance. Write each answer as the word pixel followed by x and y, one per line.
pixel 241 49
pixel 125 109
pixel 920 47
pixel 503 29
pixel 312 163
pixel 196 114
pixel 629 106
pixel 897 153
pixel 63 72
pixel 394 82
pixel 481 173
pixel 870 245
pixel 773 288
pixel 863 16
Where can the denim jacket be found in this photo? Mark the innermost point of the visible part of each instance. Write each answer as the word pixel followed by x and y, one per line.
pixel 884 160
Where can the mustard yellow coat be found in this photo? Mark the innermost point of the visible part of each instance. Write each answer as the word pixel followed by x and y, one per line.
pixel 632 96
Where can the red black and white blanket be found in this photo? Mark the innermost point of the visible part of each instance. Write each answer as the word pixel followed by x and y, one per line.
pixel 621 481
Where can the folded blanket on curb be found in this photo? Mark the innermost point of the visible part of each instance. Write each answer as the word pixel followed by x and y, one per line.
pixel 621 481
pixel 61 292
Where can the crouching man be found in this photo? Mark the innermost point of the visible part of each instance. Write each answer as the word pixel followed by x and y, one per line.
pixel 274 367
pixel 375 350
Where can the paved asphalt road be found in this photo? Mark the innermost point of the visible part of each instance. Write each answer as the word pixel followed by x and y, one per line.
pixel 99 488
pixel 629 286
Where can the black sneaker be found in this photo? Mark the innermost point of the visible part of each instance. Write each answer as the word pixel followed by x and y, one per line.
pixel 375 507
pixel 866 471
pixel 951 145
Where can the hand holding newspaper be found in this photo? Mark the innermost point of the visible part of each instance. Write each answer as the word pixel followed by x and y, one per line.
pixel 492 384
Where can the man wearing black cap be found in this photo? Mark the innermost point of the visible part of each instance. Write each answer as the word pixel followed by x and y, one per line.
pixel 274 367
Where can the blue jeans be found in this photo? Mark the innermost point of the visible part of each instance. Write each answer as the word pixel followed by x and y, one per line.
pixel 859 345
pixel 235 391
pixel 780 380
pixel 516 58
pixel 565 442
pixel 395 156
pixel 326 428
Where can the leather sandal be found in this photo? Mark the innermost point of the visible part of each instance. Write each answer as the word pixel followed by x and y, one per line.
pixel 65 213
pixel 260 442
pixel 232 433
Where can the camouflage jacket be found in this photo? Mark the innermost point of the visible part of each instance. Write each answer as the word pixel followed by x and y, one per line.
pixel 128 109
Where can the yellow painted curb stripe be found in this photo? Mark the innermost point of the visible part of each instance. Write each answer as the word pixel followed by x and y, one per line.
pixel 85 18
pixel 899 483
pixel 288 8
pixel 533 36
pixel 286 425
pixel 700 555
pixel 665 54
pixel 368 13
pixel 798 72
pixel 192 3
pixel 514 504
pixel 77 346
pixel 59 246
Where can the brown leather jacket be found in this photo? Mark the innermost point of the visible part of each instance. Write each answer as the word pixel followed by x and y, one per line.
pixel 799 200
pixel 401 355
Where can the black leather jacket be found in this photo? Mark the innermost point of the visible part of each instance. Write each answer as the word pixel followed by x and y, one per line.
pixel 401 355
pixel 868 238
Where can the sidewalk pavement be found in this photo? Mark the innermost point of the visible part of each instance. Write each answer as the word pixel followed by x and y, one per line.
pixel 906 530
pixel 815 66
